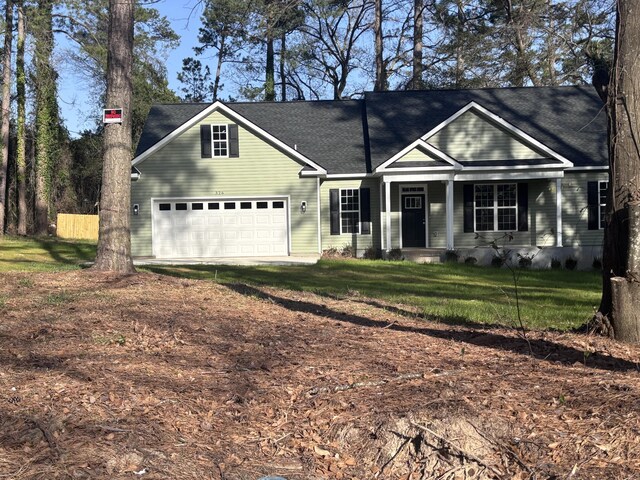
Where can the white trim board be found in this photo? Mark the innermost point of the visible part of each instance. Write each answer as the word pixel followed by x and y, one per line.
pixel 420 143
pixel 488 115
pixel 219 106
pixel 527 139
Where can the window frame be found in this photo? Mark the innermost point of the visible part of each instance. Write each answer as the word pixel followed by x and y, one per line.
pixel 495 207
pixel 602 206
pixel 214 142
pixel 341 211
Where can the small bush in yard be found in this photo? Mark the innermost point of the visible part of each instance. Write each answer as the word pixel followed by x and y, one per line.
pixel 348 251
pixel 451 256
pixel 556 264
pixel 331 252
pixel 471 260
pixel 570 263
pixel 497 261
pixel 394 255
pixel 524 261
pixel 372 253
pixel 597 263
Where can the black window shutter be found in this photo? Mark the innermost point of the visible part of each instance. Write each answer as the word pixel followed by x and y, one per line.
pixel 205 141
pixel 593 198
pixel 234 151
pixel 334 208
pixel 467 194
pixel 365 211
pixel 523 207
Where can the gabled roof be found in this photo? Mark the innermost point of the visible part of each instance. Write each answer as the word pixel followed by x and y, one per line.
pixel 568 120
pixel 357 136
pixel 328 133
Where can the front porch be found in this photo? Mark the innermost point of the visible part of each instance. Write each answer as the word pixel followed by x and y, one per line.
pixel 427 215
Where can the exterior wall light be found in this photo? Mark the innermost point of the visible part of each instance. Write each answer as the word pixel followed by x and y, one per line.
pixel 303 206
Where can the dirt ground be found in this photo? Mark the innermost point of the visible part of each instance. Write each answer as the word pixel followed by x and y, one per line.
pixel 153 377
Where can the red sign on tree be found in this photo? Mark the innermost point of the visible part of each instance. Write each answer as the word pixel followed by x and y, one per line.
pixel 112 115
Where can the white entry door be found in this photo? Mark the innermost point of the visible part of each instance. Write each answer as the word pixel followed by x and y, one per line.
pixel 220 228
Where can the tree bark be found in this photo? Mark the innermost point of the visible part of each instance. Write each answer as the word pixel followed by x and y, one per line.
pixel 6 111
pixel 625 291
pixel 216 83
pixel 114 238
pixel 283 80
pixel 380 81
pixel 46 114
pixel 270 74
pixel 621 254
pixel 416 81
pixel 21 148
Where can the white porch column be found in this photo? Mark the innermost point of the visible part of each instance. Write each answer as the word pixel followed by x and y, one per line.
pixel 382 217
pixel 558 212
pixel 449 215
pixel 387 201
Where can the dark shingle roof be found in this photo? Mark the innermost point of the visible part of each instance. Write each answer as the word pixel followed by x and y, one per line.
pixel 569 120
pixel 329 133
pixel 164 119
pixel 339 134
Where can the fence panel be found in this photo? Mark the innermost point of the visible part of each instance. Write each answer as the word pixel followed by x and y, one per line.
pixel 77 227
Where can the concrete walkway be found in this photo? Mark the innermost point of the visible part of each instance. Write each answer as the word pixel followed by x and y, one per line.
pixel 251 261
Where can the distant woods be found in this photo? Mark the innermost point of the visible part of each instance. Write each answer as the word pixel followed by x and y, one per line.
pixel 317 49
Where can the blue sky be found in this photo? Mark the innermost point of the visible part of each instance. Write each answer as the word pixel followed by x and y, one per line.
pixel 76 107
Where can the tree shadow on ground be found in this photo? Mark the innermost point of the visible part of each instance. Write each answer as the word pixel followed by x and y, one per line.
pixel 542 349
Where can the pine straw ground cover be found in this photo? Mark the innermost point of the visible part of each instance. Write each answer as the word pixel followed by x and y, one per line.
pixel 155 377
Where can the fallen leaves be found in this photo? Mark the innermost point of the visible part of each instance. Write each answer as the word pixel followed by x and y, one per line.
pixel 164 378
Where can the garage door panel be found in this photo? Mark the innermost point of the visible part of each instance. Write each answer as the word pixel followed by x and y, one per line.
pixel 220 228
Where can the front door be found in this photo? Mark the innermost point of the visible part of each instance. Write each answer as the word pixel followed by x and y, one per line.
pixel 413 221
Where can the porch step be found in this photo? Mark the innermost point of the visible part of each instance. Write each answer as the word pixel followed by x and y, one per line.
pixel 424 255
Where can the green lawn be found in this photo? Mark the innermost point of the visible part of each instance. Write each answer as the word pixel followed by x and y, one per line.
pixel 43 254
pixel 450 292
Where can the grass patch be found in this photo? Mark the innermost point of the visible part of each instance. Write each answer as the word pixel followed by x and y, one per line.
pixel 457 293
pixel 43 254
pixel 58 298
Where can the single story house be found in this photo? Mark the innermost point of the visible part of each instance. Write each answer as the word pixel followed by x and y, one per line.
pixel 421 171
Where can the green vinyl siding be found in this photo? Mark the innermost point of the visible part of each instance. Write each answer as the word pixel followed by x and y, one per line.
pixel 176 170
pixel 471 137
pixel 417 155
pixel 358 241
pixel 437 208
pixel 575 229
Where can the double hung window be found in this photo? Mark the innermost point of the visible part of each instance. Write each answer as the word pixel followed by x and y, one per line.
pixel 602 202
pixel 219 139
pixel 496 207
pixel 350 210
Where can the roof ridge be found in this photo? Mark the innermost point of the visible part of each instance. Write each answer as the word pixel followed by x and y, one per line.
pixel 479 89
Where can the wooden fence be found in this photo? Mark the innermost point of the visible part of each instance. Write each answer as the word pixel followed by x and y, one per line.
pixel 77 227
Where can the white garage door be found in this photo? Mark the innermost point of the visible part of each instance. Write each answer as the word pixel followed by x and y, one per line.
pixel 220 228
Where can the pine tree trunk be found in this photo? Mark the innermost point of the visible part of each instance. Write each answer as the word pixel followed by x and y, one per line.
pixel 6 111
pixel 621 256
pixel 270 77
pixel 21 149
pixel 216 83
pixel 46 114
pixel 416 81
pixel 114 241
pixel 380 81
pixel 283 80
